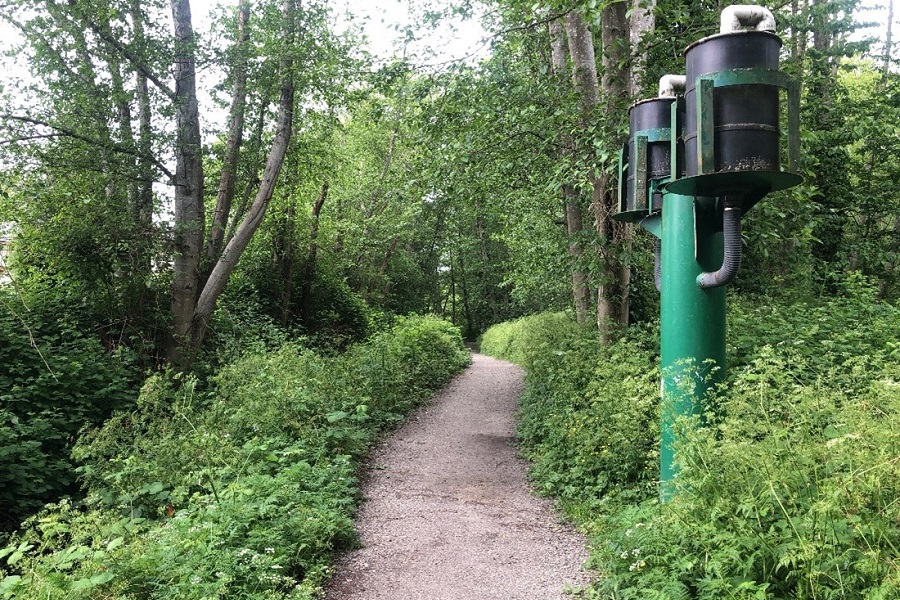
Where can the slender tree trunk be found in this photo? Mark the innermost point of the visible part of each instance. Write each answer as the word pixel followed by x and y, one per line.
pixel 309 271
pixel 889 266
pixel 452 289
pixel 188 201
pixel 286 258
pixel 490 291
pixel 144 202
pixel 254 149
pixel 225 195
pixel 888 41
pixel 232 253
pixel 616 84
pixel 470 329
pixel 571 202
pixel 126 133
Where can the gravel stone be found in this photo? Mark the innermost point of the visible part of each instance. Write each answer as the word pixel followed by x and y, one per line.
pixel 448 514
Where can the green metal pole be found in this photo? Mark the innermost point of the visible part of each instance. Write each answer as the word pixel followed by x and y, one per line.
pixel 692 320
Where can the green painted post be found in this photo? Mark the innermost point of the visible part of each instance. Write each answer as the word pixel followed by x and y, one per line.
pixel 692 320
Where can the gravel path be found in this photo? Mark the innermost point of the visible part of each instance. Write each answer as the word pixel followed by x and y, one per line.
pixel 448 514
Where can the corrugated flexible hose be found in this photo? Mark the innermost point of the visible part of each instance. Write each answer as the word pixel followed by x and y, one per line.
pixel 731 226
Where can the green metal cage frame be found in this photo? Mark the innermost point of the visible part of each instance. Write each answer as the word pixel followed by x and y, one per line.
pixel 705 87
pixel 641 189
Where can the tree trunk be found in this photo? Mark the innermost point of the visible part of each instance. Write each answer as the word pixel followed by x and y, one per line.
pixel 286 260
pixel 612 294
pixel 309 271
pixel 225 195
pixel 571 204
pixel 232 253
pixel 144 202
pixel 188 181
pixel 886 63
pixel 254 149
pixel 616 84
pixel 470 330
pixel 641 22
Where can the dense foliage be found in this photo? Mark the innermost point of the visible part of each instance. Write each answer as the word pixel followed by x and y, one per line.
pixel 790 491
pixel 55 379
pixel 244 490
pixel 350 189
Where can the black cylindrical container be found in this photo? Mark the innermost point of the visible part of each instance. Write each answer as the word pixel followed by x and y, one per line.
pixel 650 116
pixel 746 134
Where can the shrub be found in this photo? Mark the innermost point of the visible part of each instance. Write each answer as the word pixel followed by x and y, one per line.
pixel 791 491
pixel 241 491
pixel 525 338
pixel 583 440
pixel 53 381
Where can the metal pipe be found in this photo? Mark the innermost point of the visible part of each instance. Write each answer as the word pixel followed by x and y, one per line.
pixel 692 322
pixel 731 228
pixel 739 16
pixel 670 85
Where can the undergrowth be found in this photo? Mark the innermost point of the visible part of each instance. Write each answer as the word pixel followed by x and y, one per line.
pixel 791 490
pixel 242 491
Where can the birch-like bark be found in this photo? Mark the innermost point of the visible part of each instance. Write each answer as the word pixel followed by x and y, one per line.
pixel 232 253
pixel 188 183
pixel 612 299
pixel 571 205
pixel 143 206
pixel 225 195
pixel 641 22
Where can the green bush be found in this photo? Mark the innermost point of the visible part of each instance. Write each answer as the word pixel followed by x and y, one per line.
pixel 583 440
pixel 242 491
pixel 791 491
pixel 53 381
pixel 522 339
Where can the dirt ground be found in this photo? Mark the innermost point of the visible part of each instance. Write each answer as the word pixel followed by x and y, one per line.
pixel 448 513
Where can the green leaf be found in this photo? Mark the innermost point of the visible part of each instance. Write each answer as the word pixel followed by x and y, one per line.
pixel 19 553
pixel 113 544
pixel 336 416
pixel 81 585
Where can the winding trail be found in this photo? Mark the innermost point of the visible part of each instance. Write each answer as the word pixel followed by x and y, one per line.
pixel 448 513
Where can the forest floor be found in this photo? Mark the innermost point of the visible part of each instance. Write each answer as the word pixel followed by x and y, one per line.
pixel 448 513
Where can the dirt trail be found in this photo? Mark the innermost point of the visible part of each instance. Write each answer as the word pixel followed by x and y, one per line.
pixel 448 514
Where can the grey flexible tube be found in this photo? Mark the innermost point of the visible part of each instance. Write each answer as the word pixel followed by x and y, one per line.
pixel 731 226
pixel 657 264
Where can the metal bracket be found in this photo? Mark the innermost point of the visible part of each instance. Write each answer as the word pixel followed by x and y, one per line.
pixel 640 171
pixel 623 181
pixel 751 76
pixel 673 142
pixel 706 127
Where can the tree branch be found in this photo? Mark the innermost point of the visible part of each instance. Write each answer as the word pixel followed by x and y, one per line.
pixel 63 131
pixel 535 24
pixel 141 67
pixel 25 138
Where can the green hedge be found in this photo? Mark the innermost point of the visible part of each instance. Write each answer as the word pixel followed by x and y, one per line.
pixel 245 491
pixel 791 492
